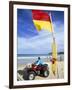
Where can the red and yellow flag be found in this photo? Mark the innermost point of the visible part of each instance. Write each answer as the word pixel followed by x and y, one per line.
pixel 41 20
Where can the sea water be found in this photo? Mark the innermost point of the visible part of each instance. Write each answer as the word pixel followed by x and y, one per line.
pixel 25 59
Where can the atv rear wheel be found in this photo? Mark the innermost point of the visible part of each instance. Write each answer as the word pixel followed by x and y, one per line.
pixel 31 75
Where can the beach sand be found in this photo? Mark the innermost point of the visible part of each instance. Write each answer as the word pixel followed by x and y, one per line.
pixel 59 75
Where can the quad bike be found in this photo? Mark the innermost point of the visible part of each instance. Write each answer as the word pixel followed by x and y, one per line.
pixel 36 70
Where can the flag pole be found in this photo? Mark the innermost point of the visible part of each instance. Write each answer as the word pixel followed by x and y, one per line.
pixel 53 34
pixel 52 28
pixel 54 49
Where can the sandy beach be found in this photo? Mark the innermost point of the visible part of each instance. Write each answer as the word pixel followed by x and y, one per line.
pixel 59 75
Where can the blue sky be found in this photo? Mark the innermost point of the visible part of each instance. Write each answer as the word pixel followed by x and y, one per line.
pixel 30 41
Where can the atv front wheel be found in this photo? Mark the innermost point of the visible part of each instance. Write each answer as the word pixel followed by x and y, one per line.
pixel 46 73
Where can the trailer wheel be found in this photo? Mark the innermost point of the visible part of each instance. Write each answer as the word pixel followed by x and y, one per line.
pixel 25 76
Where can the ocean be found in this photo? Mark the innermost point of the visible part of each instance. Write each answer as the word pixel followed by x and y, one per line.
pixel 25 59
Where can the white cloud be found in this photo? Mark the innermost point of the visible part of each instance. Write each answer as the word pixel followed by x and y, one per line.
pixel 40 43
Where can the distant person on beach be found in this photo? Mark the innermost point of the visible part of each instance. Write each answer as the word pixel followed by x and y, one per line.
pixel 39 61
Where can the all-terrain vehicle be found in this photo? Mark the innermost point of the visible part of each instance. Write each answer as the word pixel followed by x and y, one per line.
pixel 35 70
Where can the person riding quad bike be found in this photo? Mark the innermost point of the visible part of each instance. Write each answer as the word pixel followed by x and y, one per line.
pixel 39 61
pixel 36 69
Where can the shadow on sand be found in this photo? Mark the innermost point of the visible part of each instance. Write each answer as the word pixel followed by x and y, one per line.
pixel 21 72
